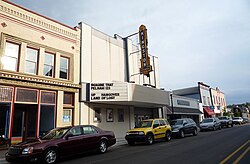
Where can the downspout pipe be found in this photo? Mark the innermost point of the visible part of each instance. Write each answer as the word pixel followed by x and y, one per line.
pixel 125 40
pixel 80 96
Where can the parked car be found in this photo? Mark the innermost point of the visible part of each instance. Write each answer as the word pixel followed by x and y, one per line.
pixel 61 142
pixel 148 131
pixel 180 127
pixel 238 120
pixel 226 121
pixel 210 124
pixel 245 120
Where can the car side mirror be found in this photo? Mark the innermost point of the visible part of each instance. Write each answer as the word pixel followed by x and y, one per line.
pixel 184 124
pixel 68 136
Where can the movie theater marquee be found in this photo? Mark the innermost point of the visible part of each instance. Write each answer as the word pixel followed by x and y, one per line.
pixel 108 92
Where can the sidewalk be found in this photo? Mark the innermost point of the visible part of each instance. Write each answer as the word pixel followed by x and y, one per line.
pixel 2 153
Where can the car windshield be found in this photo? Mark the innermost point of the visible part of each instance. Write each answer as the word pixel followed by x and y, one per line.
pixel 55 133
pixel 177 122
pixel 145 124
pixel 223 118
pixel 207 120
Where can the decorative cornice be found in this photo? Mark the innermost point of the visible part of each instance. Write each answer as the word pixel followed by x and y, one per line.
pixel 38 80
pixel 27 84
pixel 41 23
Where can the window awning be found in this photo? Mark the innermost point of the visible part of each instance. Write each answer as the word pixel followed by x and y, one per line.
pixel 208 111
pixel 187 111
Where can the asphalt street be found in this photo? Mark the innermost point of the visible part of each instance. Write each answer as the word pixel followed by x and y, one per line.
pixel 229 145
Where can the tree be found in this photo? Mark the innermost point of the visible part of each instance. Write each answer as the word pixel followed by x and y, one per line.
pixel 225 114
pixel 237 114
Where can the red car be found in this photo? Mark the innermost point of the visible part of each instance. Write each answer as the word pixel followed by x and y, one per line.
pixel 61 142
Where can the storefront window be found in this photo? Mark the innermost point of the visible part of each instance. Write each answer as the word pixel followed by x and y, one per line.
pixel 68 111
pixel 4 119
pixel 68 99
pixel 64 68
pixel 67 115
pixel 26 95
pixel 5 106
pixel 31 61
pixel 47 118
pixel 47 112
pixel 5 94
pixel 48 97
pixel 49 60
pixel 10 58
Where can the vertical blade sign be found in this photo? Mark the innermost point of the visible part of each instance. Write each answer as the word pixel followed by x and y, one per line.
pixel 145 60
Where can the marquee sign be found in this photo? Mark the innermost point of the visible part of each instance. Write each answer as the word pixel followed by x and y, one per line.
pixel 145 60
pixel 108 92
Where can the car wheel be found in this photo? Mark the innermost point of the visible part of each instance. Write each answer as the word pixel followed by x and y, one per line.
pixel 182 135
pixel 150 139
pixel 168 136
pixel 50 156
pixel 103 147
pixel 131 143
pixel 232 125
pixel 195 132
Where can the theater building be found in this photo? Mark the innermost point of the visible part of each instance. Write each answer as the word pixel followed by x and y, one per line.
pixel 115 95
pixel 39 80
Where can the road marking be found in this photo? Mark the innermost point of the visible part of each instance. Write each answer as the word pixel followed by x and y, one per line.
pixel 231 155
pixel 241 156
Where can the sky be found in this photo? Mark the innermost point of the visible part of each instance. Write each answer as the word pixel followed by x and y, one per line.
pixel 206 41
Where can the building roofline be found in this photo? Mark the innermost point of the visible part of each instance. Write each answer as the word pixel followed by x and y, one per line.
pixel 201 83
pixel 73 28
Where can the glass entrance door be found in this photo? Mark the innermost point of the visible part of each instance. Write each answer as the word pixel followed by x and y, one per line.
pixel 4 119
pixel 25 121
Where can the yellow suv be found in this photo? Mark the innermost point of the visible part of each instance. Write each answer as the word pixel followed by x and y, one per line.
pixel 148 131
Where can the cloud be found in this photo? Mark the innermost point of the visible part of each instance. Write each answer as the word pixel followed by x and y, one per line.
pixel 195 40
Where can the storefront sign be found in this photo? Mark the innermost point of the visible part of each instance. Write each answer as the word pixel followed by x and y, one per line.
pixel 145 60
pixel 108 92
pixel 182 102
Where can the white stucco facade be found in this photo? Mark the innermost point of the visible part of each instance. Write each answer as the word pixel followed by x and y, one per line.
pixel 114 95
